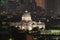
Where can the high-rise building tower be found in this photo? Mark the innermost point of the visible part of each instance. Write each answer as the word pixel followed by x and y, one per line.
pixel 40 3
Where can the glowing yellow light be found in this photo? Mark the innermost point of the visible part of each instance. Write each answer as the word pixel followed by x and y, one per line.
pixel 10 39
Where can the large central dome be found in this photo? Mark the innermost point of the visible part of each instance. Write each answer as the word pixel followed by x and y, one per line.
pixel 26 16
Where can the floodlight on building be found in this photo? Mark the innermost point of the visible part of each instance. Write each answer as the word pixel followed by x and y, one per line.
pixel 26 11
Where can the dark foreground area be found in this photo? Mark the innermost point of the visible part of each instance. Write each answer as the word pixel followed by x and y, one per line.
pixel 21 35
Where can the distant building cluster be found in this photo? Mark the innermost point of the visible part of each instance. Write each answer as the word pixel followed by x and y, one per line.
pixel 14 11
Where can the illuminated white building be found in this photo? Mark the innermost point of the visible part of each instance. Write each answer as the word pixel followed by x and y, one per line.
pixel 27 23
